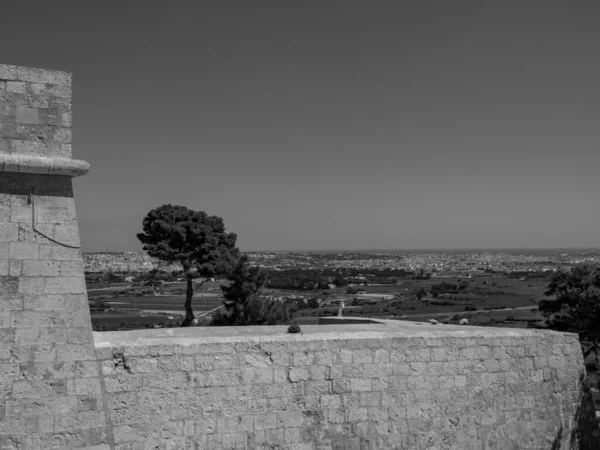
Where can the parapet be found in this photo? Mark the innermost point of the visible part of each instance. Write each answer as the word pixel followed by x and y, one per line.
pixel 391 385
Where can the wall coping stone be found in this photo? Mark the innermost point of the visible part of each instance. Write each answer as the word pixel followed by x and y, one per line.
pixel 278 333
pixel 43 165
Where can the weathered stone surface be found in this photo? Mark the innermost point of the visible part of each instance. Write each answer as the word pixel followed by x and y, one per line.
pixel 43 76
pixel 403 386
pixel 8 72
pixel 26 163
pixel 50 380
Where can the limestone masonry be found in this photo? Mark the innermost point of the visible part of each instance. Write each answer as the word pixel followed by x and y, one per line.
pixel 50 384
pixel 399 386
pixel 388 385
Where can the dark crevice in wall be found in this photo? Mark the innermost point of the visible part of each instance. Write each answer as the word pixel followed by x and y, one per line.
pixel 586 432
pixel 120 362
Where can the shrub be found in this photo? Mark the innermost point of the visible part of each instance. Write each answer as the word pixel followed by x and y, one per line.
pixel 294 328
pixel 591 366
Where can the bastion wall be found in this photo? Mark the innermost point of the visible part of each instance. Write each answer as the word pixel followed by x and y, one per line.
pixel 394 385
pixel 391 386
pixel 50 392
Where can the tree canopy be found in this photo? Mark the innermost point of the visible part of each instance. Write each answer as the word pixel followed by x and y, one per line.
pixel 245 284
pixel 242 300
pixel 576 303
pixel 197 241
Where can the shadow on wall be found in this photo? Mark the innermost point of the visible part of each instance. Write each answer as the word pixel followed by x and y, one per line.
pixel 21 185
pixel 586 432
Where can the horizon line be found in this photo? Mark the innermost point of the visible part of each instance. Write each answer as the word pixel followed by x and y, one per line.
pixel 399 250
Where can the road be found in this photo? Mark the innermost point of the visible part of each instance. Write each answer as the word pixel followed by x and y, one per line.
pixel 463 312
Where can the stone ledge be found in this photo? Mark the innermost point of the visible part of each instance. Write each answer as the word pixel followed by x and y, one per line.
pixel 35 75
pixel 385 329
pixel 43 165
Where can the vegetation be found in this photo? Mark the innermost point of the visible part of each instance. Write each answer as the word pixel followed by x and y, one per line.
pixel 576 305
pixel 176 234
pixel 294 328
pixel 242 300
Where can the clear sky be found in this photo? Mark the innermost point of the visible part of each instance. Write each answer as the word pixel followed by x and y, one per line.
pixel 330 124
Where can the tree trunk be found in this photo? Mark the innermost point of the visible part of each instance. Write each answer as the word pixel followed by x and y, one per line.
pixel 189 292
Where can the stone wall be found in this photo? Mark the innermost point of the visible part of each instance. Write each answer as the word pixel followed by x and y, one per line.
pixel 403 386
pixel 50 385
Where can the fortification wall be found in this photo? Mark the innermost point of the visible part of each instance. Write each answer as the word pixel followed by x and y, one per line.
pixel 50 384
pixel 402 386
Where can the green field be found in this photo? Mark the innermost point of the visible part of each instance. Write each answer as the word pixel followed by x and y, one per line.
pixel 474 302
pixel 122 320
pixel 174 303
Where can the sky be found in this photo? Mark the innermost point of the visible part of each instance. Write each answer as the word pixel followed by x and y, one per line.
pixel 330 125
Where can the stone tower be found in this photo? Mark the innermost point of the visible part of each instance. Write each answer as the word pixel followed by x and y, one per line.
pixel 50 382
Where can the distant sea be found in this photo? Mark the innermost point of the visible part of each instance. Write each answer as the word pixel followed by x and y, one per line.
pixel 508 251
pixel 458 251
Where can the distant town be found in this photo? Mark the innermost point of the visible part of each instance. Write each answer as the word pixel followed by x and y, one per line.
pixel 439 264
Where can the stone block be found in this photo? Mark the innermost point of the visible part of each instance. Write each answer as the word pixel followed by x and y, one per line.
pixel 67 233
pixel 36 268
pixel 14 269
pixel 31 285
pixel 17 87
pixel 265 421
pixel 59 91
pixel 123 383
pixel 84 386
pixel 21 214
pixel 30 132
pixel 5 132
pixel 34 101
pixel 60 104
pixel 4 319
pixel 4 267
pixel 10 299
pixel 79 335
pixel 63 216
pixel 58 118
pixel 44 76
pixel 75 352
pixel 64 285
pixel 9 232
pixel 8 72
pixel 56 252
pixel 28 115
pixel 24 319
pixel 62 134
pixel 43 302
pixel 78 318
pixel 4 213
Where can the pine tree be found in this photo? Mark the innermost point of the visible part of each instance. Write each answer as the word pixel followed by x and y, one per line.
pixel 176 234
